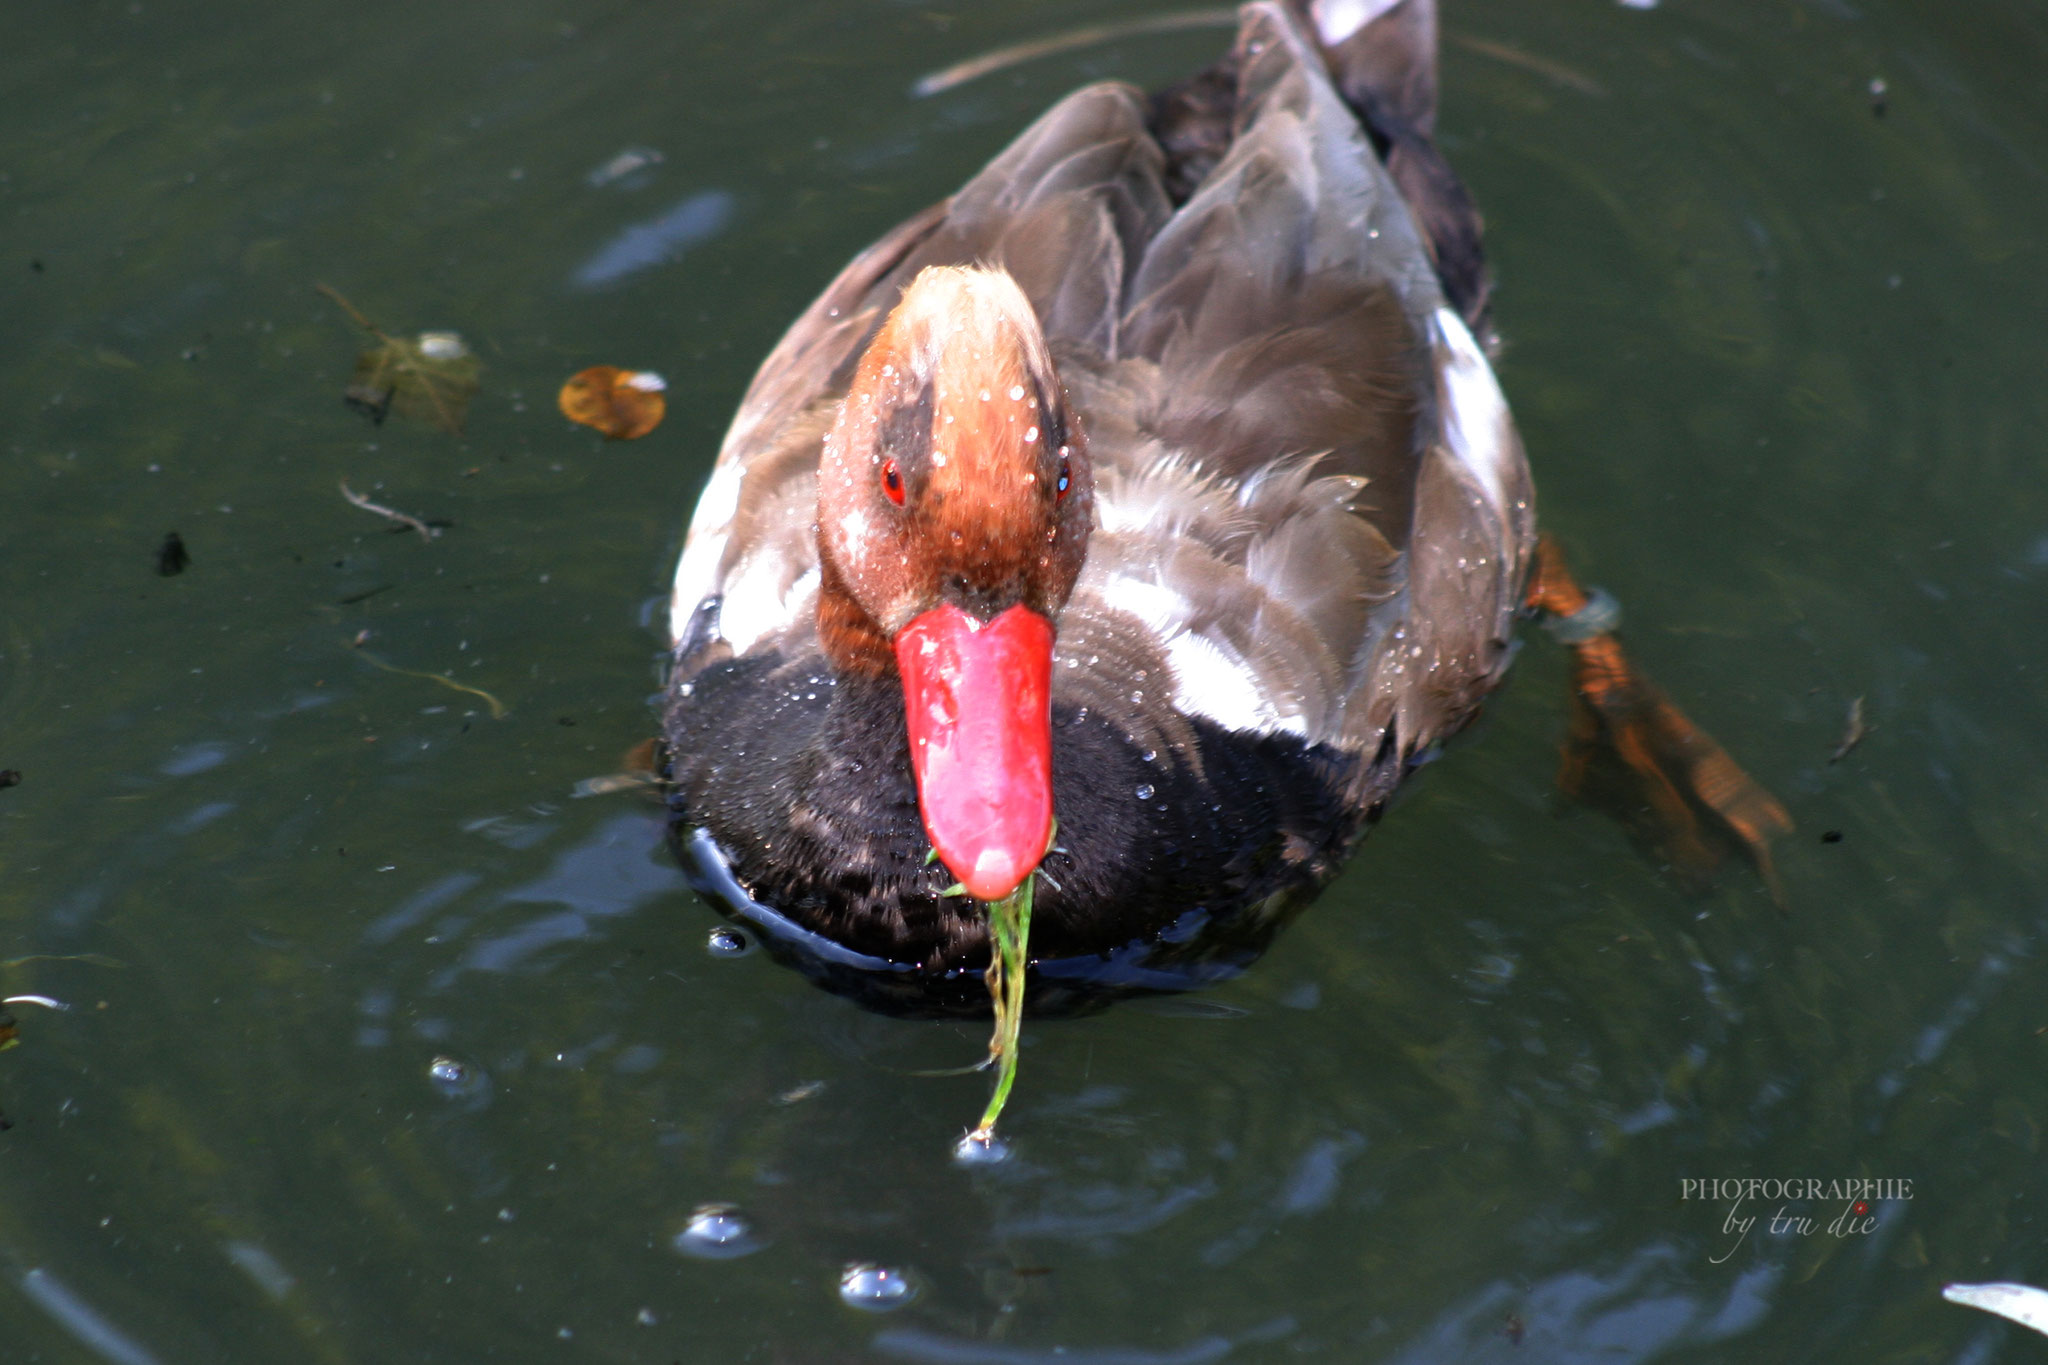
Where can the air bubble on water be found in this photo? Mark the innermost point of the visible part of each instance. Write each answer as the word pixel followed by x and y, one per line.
pixel 874 1288
pixel 456 1079
pixel 726 941
pixel 716 1232
pixel 980 1149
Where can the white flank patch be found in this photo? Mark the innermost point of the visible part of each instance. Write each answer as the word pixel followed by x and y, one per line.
pixel 1477 427
pixel 1213 681
pixel 759 601
pixel 1210 678
pixel 1159 607
pixel 2022 1303
pixel 1337 20
pixel 704 547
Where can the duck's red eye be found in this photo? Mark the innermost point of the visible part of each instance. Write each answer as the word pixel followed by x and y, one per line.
pixel 892 482
pixel 1066 477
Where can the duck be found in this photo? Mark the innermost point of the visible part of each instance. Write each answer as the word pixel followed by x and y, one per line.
pixel 1132 522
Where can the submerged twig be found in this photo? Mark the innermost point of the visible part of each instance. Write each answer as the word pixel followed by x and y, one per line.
pixel 426 531
pixel 615 782
pixel 335 294
pixel 1529 61
pixel 498 709
pixel 974 68
pixel 1853 734
pixel 96 959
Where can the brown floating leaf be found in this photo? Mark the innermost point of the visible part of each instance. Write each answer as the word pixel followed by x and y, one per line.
pixel 430 378
pixel 623 404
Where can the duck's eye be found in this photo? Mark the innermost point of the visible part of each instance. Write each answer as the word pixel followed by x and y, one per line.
pixel 1066 477
pixel 892 482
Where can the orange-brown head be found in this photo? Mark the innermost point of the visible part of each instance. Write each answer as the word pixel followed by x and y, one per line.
pixel 954 503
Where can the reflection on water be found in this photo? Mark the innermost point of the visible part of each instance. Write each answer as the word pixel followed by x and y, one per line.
pixel 658 241
pixel 81 1319
pixel 382 1045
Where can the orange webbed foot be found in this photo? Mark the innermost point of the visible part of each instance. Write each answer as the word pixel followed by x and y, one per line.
pixel 1634 754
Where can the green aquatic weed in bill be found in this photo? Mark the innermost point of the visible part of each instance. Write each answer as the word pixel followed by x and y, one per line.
pixel 1009 923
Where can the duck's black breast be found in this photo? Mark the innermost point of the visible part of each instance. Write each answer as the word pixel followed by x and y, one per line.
pixel 1169 863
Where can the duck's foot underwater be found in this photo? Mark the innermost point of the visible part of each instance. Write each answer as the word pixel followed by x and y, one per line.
pixel 1633 754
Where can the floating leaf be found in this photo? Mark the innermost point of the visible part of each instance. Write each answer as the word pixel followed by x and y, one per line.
pixel 430 378
pixel 623 404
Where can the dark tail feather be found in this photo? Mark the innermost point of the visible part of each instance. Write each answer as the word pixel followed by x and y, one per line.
pixel 1385 65
pixel 1382 59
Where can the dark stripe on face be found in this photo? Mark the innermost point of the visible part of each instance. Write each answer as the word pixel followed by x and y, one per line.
pixel 906 436
pixel 1052 416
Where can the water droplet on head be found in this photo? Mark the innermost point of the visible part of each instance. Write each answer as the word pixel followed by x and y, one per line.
pixel 1145 792
pixel 874 1288
pixel 716 1232
pixel 726 941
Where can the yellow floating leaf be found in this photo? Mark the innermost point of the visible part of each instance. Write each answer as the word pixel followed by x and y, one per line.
pixel 623 404
pixel 429 378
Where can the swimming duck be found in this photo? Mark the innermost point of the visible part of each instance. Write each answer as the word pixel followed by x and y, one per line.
pixel 1134 519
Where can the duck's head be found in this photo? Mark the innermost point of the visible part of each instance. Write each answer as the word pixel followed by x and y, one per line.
pixel 954 503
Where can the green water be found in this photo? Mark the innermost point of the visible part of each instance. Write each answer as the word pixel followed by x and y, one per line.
pixel 1777 359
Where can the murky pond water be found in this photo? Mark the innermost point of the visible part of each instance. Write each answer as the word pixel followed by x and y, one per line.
pixel 381 1045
